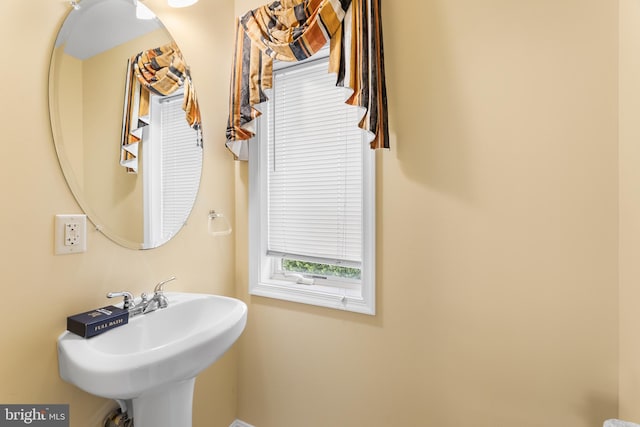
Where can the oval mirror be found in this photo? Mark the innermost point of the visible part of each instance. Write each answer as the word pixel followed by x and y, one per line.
pixel 125 121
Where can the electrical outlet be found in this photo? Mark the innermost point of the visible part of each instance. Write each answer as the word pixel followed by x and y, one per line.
pixel 70 234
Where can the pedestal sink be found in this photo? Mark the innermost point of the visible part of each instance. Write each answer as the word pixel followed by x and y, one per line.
pixel 149 365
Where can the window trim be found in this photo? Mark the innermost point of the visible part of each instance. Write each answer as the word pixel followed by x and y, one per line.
pixel 361 300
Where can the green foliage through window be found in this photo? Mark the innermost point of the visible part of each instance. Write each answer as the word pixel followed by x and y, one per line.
pixel 313 268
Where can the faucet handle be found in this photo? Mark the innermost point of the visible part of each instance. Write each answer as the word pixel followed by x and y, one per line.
pixel 128 298
pixel 160 286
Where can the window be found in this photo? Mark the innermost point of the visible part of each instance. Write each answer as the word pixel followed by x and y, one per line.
pixel 171 163
pixel 311 194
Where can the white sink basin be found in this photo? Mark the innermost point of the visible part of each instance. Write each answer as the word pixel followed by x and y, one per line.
pixel 146 363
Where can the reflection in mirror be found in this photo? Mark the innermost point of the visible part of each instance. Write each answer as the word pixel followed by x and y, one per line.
pixel 145 206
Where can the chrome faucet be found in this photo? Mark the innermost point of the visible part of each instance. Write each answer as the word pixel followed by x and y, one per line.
pixel 128 303
pixel 158 300
pixel 146 304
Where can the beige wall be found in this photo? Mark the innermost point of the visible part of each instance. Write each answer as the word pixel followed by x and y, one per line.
pixel 39 289
pixel 629 210
pixel 497 229
pixel 497 235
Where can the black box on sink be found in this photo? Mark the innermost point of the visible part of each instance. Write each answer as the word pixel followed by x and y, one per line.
pixel 95 322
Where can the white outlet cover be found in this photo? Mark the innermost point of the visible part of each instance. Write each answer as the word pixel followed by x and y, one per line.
pixel 59 236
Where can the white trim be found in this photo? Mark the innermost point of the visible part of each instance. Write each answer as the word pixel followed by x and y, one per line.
pixel 152 171
pixel 260 281
pixel 332 297
pixel 238 423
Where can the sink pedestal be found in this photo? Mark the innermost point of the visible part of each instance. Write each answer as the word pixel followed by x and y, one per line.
pixel 167 407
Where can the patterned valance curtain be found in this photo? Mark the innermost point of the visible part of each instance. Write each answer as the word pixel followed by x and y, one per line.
pixel 293 30
pixel 161 71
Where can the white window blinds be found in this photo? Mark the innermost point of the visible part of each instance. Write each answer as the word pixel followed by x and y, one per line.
pixel 181 155
pixel 314 168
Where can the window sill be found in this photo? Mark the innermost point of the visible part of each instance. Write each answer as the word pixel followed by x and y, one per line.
pixel 318 295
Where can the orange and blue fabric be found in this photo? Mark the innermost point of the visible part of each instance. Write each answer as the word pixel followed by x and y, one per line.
pixel 160 71
pixel 294 30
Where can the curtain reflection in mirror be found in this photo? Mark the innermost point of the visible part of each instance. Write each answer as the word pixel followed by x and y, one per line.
pixel 160 71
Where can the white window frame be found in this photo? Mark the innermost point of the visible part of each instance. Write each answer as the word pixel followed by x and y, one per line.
pixel 349 295
pixel 152 169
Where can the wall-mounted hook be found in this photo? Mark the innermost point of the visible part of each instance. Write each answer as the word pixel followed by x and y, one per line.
pixel 218 224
